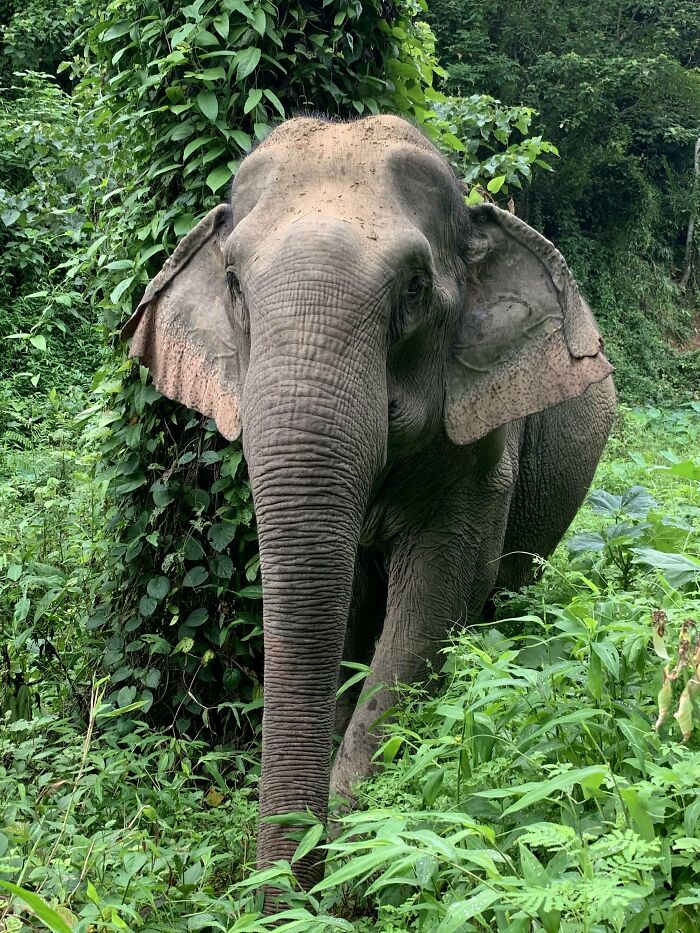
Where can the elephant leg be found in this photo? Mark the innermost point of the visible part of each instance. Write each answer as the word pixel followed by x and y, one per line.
pixel 367 613
pixel 437 578
pixel 559 453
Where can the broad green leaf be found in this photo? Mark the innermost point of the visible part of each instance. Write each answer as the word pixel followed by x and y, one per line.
pixel 247 61
pixel 158 587
pixel 196 144
pixel 116 31
pixel 608 654
pixel 431 788
pixel 8 217
pixel 459 912
pixel 197 617
pixel 276 102
pixel 196 576
pixel 120 289
pixel 534 791
pixel 184 223
pixel 533 871
pixel 309 841
pixel 678 569
pixel 222 566
pixel 221 24
pixel 495 184
pixel 254 98
pixel 638 813
pixel 243 140
pixel 218 177
pixel 147 606
pixel 208 104
pixel 259 20
pixel 38 341
pixel 390 748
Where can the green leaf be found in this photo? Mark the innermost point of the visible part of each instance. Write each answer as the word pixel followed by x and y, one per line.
pixel 459 912
pixel 184 223
pixel 222 566
pixel 184 646
pixel 14 572
pixel 221 535
pixel 643 823
pixel 197 617
pixel 38 341
pixel 254 98
pixel 208 104
pixel 678 569
pixel 10 216
pixel 120 289
pixel 247 61
pixel 533 872
pixel 259 20
pixel 218 177
pixel 495 184
pixel 147 606
pixel 309 841
pixel 221 24
pixel 242 139
pixel 275 101
pixel 432 786
pixel 158 587
pixel 195 144
pixel 390 748
pixel 39 907
pixel 608 654
pixel 534 791
pixel 116 31
pixel 195 576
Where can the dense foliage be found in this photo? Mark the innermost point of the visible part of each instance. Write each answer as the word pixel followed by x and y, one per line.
pixel 129 576
pixel 534 792
pixel 617 89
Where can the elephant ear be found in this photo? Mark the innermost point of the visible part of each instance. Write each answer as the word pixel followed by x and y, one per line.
pixel 526 339
pixel 183 328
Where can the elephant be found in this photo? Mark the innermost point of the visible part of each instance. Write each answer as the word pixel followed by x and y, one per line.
pixel 423 399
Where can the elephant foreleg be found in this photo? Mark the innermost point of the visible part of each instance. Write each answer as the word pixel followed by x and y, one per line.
pixel 434 583
pixel 367 613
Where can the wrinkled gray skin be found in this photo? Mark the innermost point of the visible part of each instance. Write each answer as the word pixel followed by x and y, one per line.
pixel 420 389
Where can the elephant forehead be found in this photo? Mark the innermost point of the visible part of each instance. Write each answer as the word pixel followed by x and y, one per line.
pixel 375 174
pixel 306 134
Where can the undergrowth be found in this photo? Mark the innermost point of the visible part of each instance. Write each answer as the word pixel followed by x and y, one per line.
pixel 549 782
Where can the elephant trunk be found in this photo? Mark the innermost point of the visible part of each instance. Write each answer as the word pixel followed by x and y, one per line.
pixel 315 438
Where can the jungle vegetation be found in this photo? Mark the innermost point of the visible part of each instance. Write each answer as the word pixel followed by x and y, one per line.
pixel 551 782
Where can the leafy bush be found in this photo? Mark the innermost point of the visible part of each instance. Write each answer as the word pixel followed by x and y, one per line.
pixel 45 161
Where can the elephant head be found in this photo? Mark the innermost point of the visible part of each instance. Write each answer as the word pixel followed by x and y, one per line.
pixel 346 309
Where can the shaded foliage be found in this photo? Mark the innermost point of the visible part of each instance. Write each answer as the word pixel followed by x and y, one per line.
pixel 617 90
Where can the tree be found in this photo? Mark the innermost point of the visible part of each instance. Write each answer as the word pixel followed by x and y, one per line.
pixel 617 89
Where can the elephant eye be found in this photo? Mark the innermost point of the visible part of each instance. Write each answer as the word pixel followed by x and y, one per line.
pixel 233 284
pixel 417 285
